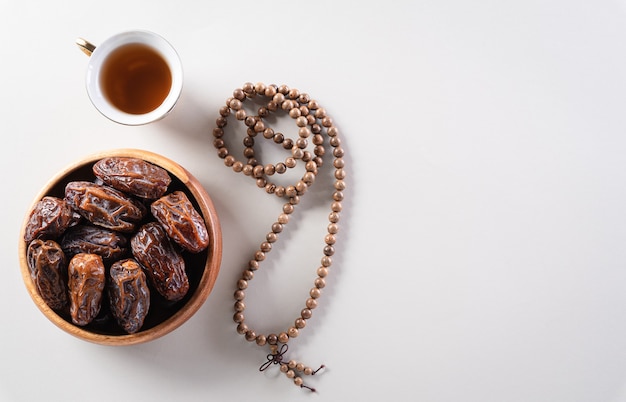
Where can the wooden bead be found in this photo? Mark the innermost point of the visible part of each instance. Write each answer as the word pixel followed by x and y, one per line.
pixel 248 88
pixel 333 228
pixel 333 217
pixel 293 93
pixel 240 114
pixel 250 335
pixel 301 121
pixel 280 168
pixel 258 171
pixel 270 90
pixel 261 340
pixel 335 206
pixel 242 328
pixel 269 169
pixel 311 303
pixel 272 339
pixel 330 239
pixel 259 88
pixel 235 104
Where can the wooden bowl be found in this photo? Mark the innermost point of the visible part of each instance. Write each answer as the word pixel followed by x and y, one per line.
pixel 163 317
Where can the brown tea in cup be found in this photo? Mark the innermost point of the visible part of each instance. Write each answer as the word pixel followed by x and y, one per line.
pixel 135 78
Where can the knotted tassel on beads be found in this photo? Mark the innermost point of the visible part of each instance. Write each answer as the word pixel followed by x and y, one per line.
pixel 289 368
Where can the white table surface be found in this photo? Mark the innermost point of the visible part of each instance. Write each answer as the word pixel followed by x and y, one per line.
pixel 482 248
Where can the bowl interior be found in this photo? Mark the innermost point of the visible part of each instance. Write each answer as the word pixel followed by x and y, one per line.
pixel 163 316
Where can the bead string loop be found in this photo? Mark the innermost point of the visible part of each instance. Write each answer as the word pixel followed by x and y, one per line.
pixel 315 127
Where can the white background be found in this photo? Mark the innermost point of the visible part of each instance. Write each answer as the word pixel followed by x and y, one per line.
pixel 482 251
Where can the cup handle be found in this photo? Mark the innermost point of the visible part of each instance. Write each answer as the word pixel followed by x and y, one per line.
pixel 85 46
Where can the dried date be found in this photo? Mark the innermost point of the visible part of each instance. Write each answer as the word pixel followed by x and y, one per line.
pixel 50 217
pixel 183 224
pixel 108 244
pixel 86 278
pixel 163 264
pixel 104 206
pixel 46 263
pixel 129 294
pixel 133 176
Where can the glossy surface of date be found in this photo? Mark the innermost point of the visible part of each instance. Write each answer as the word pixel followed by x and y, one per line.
pixel 162 262
pixel 108 244
pixel 104 206
pixel 133 176
pixel 46 263
pixel 86 278
pixel 129 294
pixel 181 221
pixel 50 217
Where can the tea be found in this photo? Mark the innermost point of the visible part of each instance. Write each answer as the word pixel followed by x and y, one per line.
pixel 135 78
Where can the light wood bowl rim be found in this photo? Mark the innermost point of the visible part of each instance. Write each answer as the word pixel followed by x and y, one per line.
pixel 207 281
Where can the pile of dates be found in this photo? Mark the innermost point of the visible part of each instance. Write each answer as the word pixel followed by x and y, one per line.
pixel 113 241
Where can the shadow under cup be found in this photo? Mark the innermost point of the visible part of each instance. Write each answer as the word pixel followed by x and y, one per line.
pixel 134 77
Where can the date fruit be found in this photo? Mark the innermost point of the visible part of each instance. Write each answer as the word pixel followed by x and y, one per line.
pixel 163 264
pixel 133 176
pixel 108 244
pixel 129 295
pixel 183 224
pixel 104 206
pixel 50 217
pixel 86 282
pixel 46 263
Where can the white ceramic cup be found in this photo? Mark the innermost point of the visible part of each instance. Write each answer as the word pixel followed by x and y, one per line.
pixel 98 57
